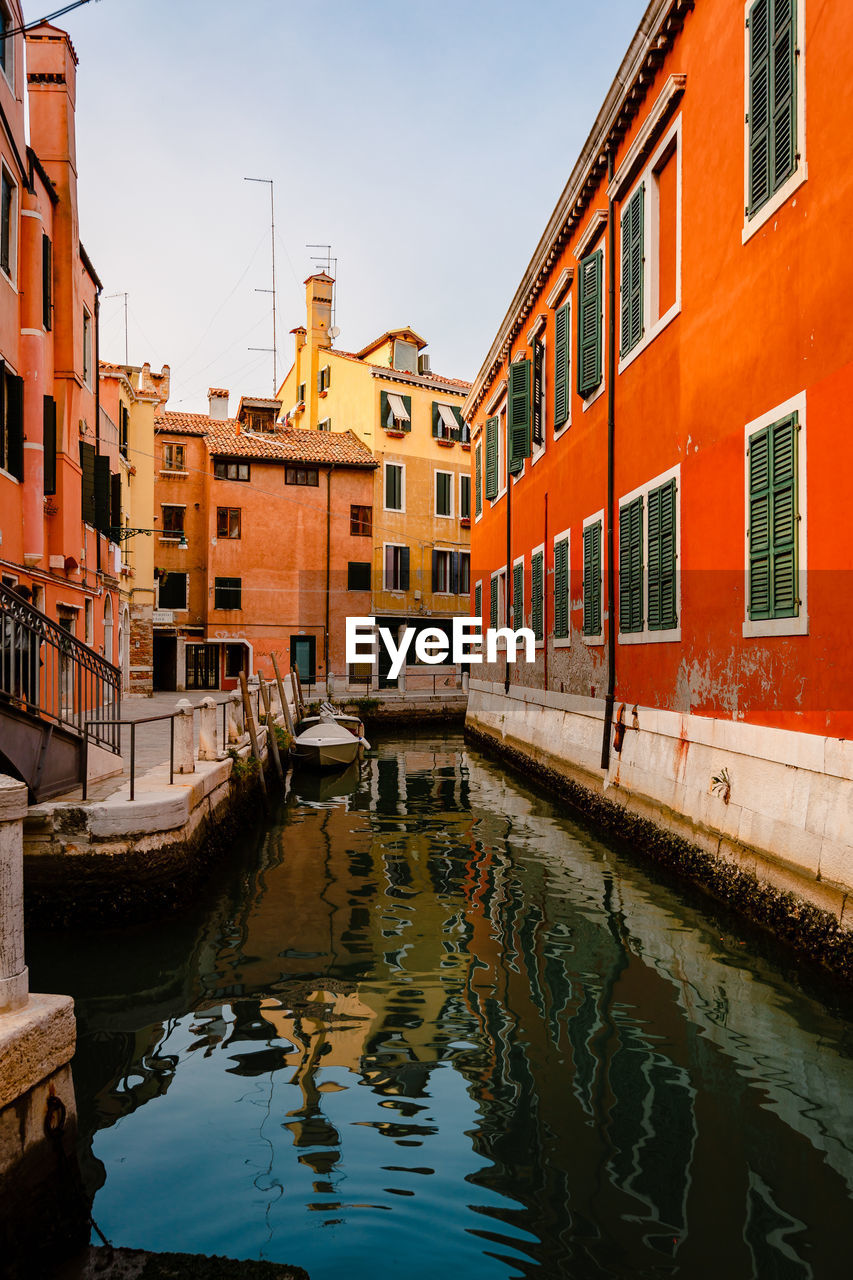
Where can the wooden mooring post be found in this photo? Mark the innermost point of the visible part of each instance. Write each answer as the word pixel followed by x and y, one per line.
pixel 271 738
pixel 288 719
pixel 250 724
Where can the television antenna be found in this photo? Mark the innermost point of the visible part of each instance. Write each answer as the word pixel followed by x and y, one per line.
pixel 270 183
pixel 122 295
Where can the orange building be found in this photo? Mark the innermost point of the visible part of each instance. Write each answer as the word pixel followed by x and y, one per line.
pixel 258 548
pixel 56 473
pixel 658 438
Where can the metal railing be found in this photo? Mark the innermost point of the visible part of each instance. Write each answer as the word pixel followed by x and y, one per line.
pixel 53 675
pixel 120 724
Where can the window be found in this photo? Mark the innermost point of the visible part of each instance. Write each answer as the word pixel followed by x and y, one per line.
pixel 444 493
pixel 396 567
pixel 175 458
pixel 465 497
pixel 324 378
pixel 223 469
pixel 7 44
pixel 361 522
pixel 395 486
pixel 235 655
pixel 228 522
pixel 478 480
pixel 325 425
pixel 358 575
pixel 537 594
pixel 395 411
pixel 592 627
pixel 46 281
pixel 7 223
pixel 772 100
pixel 227 593
pixel 87 347
pixel 492 476
pixel 519 414
pixel 648 559
pixel 50 445
pixel 773 521
pixel 498 600
pixel 589 322
pixel 300 394
pixel 405 356
pixel 478 600
pixel 539 402
pixel 445 572
pixel 562 362
pixel 89 621
pixel 173 521
pixel 87 482
pixel 123 430
pixel 561 587
pixel 631 292
pixel 464 573
pixel 447 421
pixel 302 476
pixel 172 590
pixel 12 423
pixel 517 601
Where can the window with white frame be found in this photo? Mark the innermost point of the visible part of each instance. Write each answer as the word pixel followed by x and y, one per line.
pixel 775 510
pixel 174 457
pixel 537 593
pixel 396 567
pixel 593 578
pixel 539 399
pixel 649 544
pixel 562 618
pixel 7 43
pixel 395 486
pixel 445 572
pixel 562 366
pixel 464 496
pixel 464 587
pixel 444 493
pixel 774 116
pixel 517 598
pixel 8 223
pixel 650 249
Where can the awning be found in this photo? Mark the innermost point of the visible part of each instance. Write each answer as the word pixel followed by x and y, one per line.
pixel 447 417
pixel 398 408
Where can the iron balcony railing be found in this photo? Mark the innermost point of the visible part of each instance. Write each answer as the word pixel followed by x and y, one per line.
pixel 49 673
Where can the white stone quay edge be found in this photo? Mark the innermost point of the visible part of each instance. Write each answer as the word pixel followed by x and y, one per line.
pixel 35 1041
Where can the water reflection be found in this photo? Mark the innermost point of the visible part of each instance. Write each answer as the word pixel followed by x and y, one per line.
pixel 425 1020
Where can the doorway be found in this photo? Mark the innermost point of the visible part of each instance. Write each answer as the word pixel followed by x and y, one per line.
pixel 303 656
pixel 165 661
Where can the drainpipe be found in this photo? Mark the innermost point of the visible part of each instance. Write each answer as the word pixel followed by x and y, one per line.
pixel 610 374
pixel 328 564
pixel 508 579
pixel 545 596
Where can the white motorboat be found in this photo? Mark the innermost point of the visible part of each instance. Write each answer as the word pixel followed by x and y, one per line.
pixel 327 745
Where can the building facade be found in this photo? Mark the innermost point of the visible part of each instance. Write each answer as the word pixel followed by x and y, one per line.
pixel 256 545
pixel 56 471
pixel 655 430
pixel 130 397
pixel 417 563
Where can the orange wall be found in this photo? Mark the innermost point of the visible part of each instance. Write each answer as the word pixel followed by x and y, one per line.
pixel 760 322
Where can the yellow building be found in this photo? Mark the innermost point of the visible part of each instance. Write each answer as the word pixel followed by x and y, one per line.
pixel 129 398
pixel 418 561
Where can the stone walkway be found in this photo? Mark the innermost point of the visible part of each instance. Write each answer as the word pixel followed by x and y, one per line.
pixel 152 740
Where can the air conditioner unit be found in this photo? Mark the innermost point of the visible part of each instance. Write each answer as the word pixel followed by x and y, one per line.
pixel 423 364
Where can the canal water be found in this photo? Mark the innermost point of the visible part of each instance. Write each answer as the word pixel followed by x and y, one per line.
pixel 424 1023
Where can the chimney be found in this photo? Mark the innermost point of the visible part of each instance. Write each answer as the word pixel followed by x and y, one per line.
pixel 318 303
pixel 217 398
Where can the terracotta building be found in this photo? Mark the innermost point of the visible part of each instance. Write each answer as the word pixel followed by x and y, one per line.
pixel 56 471
pixel 259 546
pixel 411 420
pixel 658 432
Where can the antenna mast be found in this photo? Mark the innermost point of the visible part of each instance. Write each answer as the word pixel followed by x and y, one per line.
pixel 122 295
pixel 271 184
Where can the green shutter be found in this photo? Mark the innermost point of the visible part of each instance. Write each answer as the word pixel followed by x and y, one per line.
pixel 592 579
pixel 518 594
pixel 46 281
pixel 518 423
pixel 661 555
pixel 589 322
pixel 631 566
pixel 773 521
pixel 407 401
pixel 87 482
pixel 493 603
pixel 537 599
pixel 562 324
pixel 49 420
pixel 436 419
pixel 478 480
pixel 491 458
pixel 15 426
pixel 632 271
pixel 115 505
pixel 478 600
pixel 561 589
pixel 772 98
pixel 102 493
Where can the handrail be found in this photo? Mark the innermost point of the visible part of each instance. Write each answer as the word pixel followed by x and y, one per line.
pixel 53 674
pixel 171 716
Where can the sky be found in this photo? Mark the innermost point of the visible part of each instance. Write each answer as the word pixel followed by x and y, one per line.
pixel 428 144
